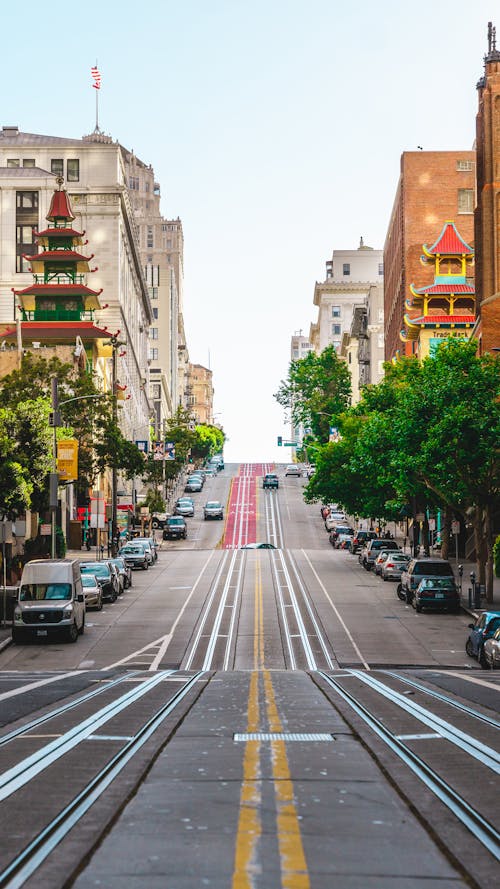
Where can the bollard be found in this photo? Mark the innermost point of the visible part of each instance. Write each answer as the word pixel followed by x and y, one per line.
pixel 470 597
pixel 477 595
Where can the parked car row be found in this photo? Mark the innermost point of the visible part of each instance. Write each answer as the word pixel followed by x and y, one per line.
pixel 55 594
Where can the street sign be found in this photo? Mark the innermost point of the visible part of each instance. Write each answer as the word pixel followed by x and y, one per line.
pixel 432 524
pixel 290 444
pixel 455 527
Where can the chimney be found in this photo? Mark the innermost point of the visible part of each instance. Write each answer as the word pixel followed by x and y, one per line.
pixel 10 131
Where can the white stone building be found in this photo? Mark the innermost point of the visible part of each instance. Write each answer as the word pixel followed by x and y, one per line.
pixel 349 276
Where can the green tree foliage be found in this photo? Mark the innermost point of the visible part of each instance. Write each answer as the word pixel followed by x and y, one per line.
pixel 24 455
pixel 316 392
pixel 429 433
pixel 209 441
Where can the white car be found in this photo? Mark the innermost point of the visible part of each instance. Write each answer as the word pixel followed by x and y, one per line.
pixel 335 518
pixel 293 469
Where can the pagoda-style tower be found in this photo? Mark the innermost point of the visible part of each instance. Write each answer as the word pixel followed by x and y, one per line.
pixel 58 307
pixel 447 305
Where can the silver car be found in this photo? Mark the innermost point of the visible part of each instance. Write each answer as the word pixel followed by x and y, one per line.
pixel 213 509
pixel 184 506
pixel 92 591
pixel 394 565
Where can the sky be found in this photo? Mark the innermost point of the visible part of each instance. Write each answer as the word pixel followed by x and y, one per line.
pixel 275 129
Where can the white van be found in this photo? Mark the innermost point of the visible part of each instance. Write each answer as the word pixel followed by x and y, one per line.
pixel 50 601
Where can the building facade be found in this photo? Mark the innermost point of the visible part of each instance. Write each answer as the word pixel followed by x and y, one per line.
pixel 434 186
pixel 363 344
pixel 96 181
pixel 487 216
pixel 201 394
pixel 349 277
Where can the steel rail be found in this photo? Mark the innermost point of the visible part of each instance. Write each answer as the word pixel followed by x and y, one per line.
pixel 234 613
pixel 282 608
pixel 480 827
pixel 445 699
pixel 219 613
pixel 29 726
pixel 20 774
pixel 484 754
pixel 206 612
pixel 312 613
pixel 26 863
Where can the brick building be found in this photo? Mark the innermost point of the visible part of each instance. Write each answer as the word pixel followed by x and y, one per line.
pixel 487 216
pixel 433 187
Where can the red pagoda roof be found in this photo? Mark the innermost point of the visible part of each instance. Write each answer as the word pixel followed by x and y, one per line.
pixel 446 289
pixel 58 256
pixel 449 242
pixel 59 232
pixel 442 319
pixel 52 330
pixel 55 289
pixel 60 207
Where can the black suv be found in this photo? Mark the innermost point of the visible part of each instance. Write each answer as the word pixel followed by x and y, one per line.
pixel 270 480
pixel 175 528
pixel 105 578
pixel 416 570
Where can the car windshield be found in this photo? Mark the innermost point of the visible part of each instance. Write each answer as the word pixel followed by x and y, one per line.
pixel 126 550
pixel 97 568
pixel 213 504
pixel 440 569
pixel 89 580
pixel 444 583
pixel 399 557
pixel 37 592
pixel 176 521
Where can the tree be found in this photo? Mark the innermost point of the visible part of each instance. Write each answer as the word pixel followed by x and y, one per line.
pixel 316 392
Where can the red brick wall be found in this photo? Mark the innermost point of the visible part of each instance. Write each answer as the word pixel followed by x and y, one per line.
pixel 426 198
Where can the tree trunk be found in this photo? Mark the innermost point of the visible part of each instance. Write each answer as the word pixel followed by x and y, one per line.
pixel 445 532
pixel 488 542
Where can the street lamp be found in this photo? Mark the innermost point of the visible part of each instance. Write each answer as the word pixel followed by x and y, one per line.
pixel 115 344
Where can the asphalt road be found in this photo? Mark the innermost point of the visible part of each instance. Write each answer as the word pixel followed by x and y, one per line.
pixel 251 718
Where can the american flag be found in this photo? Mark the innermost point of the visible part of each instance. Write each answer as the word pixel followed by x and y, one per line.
pixel 96 74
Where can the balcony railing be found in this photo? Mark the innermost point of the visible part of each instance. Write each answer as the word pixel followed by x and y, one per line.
pixel 63 278
pixel 58 315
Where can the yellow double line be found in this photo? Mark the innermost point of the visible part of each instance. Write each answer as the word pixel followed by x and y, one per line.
pixel 294 874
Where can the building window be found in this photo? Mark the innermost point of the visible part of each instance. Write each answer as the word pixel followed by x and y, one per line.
pixel 336 345
pixel 164 227
pixel 155 313
pixel 335 329
pixel 13 162
pixel 335 311
pixel 26 225
pixel 156 390
pixel 28 162
pixel 381 268
pixel 295 353
pixel 346 268
pixel 73 170
pixel 146 186
pixel 350 358
pixel 465 200
pixel 153 293
pixel 150 242
pixel 134 183
pixel 153 333
pixel 153 354
pixel 57 166
pixel 464 166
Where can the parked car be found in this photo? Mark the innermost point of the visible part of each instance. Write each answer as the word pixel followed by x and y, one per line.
pixel 335 518
pixel 293 469
pixel 106 577
pixel 134 555
pixel 50 601
pixel 491 652
pixel 337 530
pixel 213 509
pixel 184 506
pixel 437 593
pixel 119 579
pixel 92 592
pixel 393 566
pixel 210 471
pixel 419 568
pixel 158 520
pixel 124 570
pixel 175 528
pixel 379 561
pixel 483 628
pixel 344 539
pixel 217 460
pixel 150 547
pixel 373 547
pixel 193 484
pixel 361 538
pixel 270 480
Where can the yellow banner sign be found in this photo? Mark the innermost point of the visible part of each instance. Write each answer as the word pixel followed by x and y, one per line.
pixel 67 459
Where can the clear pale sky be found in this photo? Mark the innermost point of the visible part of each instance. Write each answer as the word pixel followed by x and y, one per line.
pixel 275 129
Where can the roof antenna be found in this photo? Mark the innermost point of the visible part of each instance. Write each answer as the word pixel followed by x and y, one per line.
pixel 361 242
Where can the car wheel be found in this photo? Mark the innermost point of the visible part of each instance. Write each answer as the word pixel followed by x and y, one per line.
pixel 73 633
pixel 155 524
pixel 468 648
pixel 400 592
pixel 483 663
pixel 408 597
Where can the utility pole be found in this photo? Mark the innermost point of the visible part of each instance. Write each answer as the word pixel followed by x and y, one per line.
pixel 54 421
pixel 115 344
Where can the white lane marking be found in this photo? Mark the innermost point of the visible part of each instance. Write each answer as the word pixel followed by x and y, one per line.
pixel 163 641
pixel 20 691
pixel 467 678
pixel 336 611
pixel 166 640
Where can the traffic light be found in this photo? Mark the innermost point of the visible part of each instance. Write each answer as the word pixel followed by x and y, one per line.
pixel 280 440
